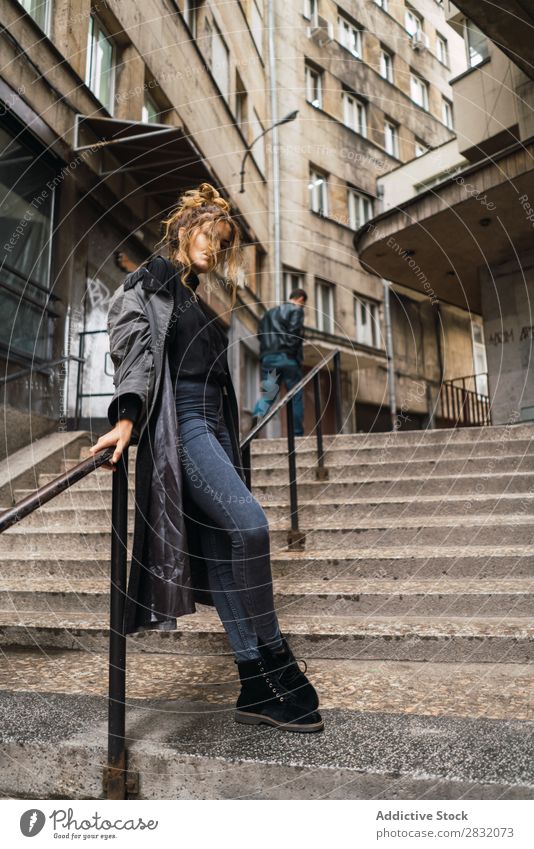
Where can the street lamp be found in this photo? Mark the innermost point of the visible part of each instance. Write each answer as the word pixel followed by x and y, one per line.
pixel 289 117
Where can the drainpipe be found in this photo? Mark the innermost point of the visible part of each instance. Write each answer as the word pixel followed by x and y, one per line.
pixel 390 355
pixel 275 165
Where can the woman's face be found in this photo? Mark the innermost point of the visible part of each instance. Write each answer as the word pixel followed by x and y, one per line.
pixel 199 246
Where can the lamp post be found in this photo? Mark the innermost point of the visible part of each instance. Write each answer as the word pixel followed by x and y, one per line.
pixel 289 117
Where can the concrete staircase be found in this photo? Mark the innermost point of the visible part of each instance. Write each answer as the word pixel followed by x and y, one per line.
pixel 412 604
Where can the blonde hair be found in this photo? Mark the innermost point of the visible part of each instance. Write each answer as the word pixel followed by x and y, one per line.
pixel 197 207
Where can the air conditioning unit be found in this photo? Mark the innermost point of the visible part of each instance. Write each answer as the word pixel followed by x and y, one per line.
pixel 320 30
pixel 420 40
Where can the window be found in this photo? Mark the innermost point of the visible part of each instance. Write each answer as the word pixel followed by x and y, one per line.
pixel 442 50
pixel 420 148
pixel 310 9
pixel 366 319
pixel 384 4
pixel 256 25
pixel 480 365
pixel 318 188
pixel 191 8
pixel 350 36
pixel 314 86
pixel 447 113
pixel 360 209
pixel 412 22
pixel 391 138
pixel 100 64
pixel 251 381
pixel 476 43
pixel 419 91
pixel 324 306
pixel 354 114
pixel 26 198
pixel 220 61
pixel 292 280
pixel 258 150
pixel 241 103
pixel 386 65
pixel 149 112
pixel 39 11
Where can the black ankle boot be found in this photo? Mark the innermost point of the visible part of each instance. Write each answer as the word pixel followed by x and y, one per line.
pixel 264 698
pixel 285 664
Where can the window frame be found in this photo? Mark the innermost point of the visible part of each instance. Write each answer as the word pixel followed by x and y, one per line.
pixel 359 107
pixel 287 274
pixel 101 29
pixel 444 49
pixel 322 284
pixel 423 87
pixel 395 137
pixel 344 23
pixel 310 71
pixel 367 332
pixel 46 25
pixel 447 112
pixel 355 198
pixel 313 189
pixel 389 77
pixel 411 13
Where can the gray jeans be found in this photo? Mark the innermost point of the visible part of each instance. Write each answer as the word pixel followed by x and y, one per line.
pixel 235 543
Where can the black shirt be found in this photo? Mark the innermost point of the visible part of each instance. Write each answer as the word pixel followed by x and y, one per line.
pixel 196 344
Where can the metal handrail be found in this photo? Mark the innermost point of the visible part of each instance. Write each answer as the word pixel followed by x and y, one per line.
pixel 117 781
pixel 295 537
pixel 40 367
pixel 467 407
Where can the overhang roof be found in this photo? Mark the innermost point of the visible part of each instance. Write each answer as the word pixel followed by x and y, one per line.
pixel 163 159
pixel 437 241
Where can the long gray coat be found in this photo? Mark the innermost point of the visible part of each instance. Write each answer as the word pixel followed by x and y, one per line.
pixel 168 573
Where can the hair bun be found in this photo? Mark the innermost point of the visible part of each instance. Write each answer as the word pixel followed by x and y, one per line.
pixel 203 195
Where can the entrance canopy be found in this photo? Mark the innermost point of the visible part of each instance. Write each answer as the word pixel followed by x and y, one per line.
pixel 437 241
pixel 163 160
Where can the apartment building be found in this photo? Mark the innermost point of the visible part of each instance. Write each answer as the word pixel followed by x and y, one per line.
pixel 108 112
pixel 465 217
pixel 371 82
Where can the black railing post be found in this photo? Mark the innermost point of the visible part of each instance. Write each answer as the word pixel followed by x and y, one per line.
pixel 337 391
pixel 245 455
pixel 295 539
pixel 320 472
pixel 115 773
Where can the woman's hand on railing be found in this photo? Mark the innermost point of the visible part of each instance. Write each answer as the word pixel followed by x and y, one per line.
pixel 120 437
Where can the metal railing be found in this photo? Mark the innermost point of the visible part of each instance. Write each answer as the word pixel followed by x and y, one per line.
pixel 40 368
pixel 296 538
pixel 464 406
pixel 118 781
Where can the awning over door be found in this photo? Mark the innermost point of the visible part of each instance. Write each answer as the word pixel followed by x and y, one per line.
pixel 163 160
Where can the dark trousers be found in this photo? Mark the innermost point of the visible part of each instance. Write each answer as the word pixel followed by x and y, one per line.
pixel 275 370
pixel 235 540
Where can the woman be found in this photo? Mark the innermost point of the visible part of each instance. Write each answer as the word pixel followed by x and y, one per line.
pixel 199 533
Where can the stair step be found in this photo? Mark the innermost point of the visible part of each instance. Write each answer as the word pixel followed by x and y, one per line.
pixel 444 638
pixel 378 464
pixel 430 689
pixel 338 597
pixel 278 508
pixel 339 486
pixel 184 749
pixel 43 535
pixel 343 452
pixel 394 562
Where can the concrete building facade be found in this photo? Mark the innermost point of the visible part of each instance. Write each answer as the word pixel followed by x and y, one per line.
pixel 109 111
pixel 468 225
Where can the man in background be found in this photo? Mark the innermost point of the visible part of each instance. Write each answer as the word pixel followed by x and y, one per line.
pixel 281 333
